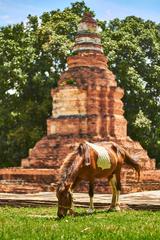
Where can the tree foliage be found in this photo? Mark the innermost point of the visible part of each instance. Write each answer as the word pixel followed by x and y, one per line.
pixel 33 55
pixel 133 48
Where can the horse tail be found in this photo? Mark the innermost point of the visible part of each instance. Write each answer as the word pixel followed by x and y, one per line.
pixel 130 161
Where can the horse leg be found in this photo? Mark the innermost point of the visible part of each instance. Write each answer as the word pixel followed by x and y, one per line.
pixel 115 193
pixel 118 186
pixel 72 209
pixel 91 194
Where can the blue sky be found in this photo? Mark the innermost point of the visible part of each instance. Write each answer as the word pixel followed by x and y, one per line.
pixel 14 11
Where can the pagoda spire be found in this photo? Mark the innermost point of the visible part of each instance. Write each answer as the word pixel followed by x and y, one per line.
pixel 88 50
pixel 88 38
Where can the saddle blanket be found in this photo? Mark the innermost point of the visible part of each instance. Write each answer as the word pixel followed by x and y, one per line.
pixel 103 160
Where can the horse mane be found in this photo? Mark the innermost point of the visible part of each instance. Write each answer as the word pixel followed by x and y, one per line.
pixel 65 169
pixel 69 170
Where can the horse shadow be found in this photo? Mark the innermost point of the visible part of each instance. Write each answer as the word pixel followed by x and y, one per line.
pixel 86 214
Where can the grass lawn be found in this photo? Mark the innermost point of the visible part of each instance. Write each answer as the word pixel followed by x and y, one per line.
pixel 40 223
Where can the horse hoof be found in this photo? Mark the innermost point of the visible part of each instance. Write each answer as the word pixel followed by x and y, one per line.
pixel 114 209
pixel 118 209
pixel 90 210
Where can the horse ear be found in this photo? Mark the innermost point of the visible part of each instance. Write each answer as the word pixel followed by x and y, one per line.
pixel 80 149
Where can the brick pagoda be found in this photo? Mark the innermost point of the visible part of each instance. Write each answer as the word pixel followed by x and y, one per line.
pixel 86 105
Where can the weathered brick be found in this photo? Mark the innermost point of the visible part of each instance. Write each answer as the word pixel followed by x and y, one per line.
pixel 86 106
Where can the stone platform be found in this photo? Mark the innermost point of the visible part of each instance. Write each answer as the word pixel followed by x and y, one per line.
pixel 148 200
pixel 21 180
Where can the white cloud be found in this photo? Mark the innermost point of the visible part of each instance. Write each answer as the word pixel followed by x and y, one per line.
pixel 6 19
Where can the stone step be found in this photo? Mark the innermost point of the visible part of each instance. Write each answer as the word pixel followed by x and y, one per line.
pixel 10 186
pixel 21 186
pixel 35 180
pixel 103 187
pixel 146 176
pixel 22 175
pixel 39 163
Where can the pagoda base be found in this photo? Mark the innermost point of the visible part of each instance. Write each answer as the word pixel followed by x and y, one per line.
pixel 51 150
pixel 41 168
pixel 20 180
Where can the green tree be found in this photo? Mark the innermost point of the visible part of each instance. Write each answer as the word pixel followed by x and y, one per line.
pixel 32 56
pixel 133 48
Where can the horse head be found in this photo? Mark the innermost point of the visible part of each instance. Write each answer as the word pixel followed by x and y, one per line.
pixel 69 171
pixel 64 200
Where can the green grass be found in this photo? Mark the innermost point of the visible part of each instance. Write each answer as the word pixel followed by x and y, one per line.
pixel 40 223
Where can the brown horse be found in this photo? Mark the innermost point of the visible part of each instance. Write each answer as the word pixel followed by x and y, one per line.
pixel 82 164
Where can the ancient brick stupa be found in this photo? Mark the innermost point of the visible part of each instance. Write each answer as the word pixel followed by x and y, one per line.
pixel 87 105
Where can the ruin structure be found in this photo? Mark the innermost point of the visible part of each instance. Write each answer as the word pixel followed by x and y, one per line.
pixel 87 105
